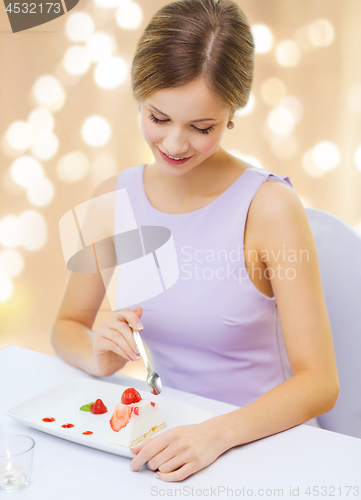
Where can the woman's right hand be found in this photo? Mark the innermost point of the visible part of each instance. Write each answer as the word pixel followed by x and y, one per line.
pixel 114 344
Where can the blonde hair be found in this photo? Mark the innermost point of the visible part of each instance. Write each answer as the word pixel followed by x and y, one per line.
pixel 187 39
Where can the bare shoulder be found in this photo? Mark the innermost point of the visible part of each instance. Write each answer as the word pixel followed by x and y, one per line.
pixel 276 192
pixel 108 185
pixel 276 210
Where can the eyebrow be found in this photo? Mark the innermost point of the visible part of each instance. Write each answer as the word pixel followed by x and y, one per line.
pixel 193 121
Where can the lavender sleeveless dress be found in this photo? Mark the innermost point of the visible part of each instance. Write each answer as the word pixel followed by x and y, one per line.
pixel 213 333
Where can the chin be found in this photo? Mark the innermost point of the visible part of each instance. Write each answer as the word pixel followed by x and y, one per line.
pixel 171 171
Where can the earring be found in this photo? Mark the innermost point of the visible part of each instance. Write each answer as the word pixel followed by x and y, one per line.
pixel 230 124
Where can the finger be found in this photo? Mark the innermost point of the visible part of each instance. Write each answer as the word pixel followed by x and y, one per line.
pixel 135 450
pixel 115 336
pixel 164 457
pixel 129 316
pixel 178 475
pixel 112 346
pixel 172 464
pixel 138 311
pixel 148 452
pixel 138 447
pixel 126 334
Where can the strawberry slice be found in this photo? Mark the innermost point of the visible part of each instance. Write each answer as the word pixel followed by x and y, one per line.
pixel 120 417
pixel 130 396
pixel 98 407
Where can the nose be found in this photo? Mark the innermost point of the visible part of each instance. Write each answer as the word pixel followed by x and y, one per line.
pixel 175 144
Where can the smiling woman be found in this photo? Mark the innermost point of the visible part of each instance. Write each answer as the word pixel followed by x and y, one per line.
pixel 176 140
pixel 258 338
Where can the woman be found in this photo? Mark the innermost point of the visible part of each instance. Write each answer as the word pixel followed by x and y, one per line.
pixel 217 331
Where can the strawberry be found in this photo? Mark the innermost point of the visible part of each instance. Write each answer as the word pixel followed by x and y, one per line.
pixel 120 417
pixel 130 396
pixel 153 404
pixel 136 410
pixel 98 407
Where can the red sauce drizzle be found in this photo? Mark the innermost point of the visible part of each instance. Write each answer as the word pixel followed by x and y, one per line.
pixel 67 426
pixel 48 419
pixel 87 433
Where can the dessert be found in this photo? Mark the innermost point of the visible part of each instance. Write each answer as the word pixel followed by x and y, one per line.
pixel 134 419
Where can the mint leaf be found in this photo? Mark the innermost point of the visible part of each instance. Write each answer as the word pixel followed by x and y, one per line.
pixel 86 407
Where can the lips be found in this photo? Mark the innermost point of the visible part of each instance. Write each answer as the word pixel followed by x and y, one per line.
pixel 177 157
pixel 173 162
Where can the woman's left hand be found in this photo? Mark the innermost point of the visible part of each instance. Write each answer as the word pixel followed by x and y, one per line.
pixel 177 453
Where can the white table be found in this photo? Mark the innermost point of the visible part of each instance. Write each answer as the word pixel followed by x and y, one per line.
pixel 299 458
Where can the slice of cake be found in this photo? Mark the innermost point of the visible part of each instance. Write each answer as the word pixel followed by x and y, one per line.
pixel 134 419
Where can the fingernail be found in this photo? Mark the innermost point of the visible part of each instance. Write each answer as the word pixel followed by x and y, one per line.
pixel 131 467
pixel 140 326
pixel 156 475
pixel 137 356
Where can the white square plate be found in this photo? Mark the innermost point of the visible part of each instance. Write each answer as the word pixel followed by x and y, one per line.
pixel 63 403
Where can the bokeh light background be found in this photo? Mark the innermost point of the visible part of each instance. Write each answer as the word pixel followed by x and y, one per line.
pixel 68 120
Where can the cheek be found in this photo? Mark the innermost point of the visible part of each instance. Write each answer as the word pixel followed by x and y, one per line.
pixel 150 132
pixel 206 142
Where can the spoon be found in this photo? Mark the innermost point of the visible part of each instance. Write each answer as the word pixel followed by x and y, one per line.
pixel 153 379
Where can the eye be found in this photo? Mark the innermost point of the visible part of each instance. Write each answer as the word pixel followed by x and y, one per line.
pixel 202 130
pixel 155 120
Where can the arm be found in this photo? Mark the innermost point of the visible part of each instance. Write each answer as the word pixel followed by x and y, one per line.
pixel 109 348
pixel 280 219
pixel 313 388
pixel 71 336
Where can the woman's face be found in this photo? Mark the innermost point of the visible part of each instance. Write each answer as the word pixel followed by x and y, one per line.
pixel 183 122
